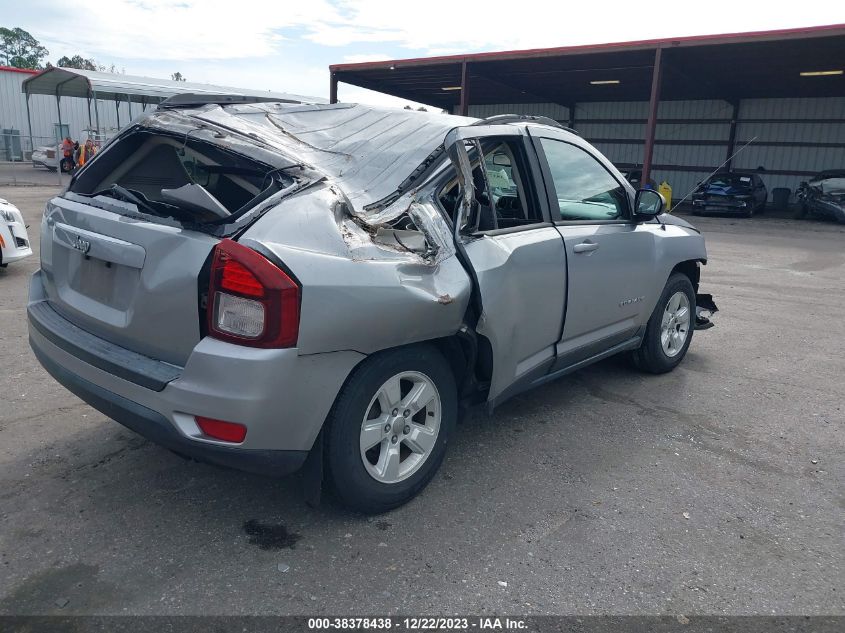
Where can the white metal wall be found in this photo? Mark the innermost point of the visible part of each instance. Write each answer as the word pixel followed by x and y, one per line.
pixel 44 114
pixel 765 119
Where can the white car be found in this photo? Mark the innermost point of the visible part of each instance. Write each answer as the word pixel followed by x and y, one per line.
pixel 46 156
pixel 14 241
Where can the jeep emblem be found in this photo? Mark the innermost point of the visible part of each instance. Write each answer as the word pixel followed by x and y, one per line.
pixel 80 244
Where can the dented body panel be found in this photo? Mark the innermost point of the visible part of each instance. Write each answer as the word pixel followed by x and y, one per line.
pixel 522 280
pixel 353 212
pixel 359 295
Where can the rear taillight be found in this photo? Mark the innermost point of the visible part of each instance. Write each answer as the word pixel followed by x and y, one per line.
pixel 251 301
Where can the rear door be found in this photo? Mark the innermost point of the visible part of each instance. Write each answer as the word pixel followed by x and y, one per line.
pixel 610 258
pixel 515 252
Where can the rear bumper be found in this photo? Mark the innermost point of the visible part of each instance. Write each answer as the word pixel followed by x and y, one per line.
pixel 156 428
pixel 281 397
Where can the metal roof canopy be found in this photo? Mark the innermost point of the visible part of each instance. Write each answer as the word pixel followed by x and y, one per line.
pixel 96 86
pixel 731 67
pixel 70 82
pixel 742 65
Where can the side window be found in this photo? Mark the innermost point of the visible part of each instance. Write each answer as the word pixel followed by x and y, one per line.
pixel 500 181
pixel 585 190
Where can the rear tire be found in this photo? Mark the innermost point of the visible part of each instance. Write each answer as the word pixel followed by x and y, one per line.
pixel 663 346
pixel 383 445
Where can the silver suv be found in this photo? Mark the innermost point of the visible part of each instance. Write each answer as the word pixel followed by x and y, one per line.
pixel 267 286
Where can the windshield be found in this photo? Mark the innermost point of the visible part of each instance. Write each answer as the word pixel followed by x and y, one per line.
pixel 731 180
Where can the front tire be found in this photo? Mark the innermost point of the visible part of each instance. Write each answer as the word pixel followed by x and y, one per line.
pixel 389 427
pixel 670 327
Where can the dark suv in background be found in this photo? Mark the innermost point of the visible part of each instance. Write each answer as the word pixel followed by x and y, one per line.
pixel 730 193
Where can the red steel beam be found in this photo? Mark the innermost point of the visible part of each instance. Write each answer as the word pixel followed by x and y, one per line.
pixel 651 126
pixel 332 87
pixel 464 90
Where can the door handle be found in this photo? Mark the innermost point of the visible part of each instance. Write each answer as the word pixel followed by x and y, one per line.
pixel 585 247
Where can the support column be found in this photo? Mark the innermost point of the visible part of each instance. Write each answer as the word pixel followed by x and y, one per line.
pixel 29 123
pixel 97 116
pixel 59 111
pixel 129 104
pixel 651 126
pixel 60 154
pixel 464 109
pixel 332 87
pixel 90 122
pixel 117 110
pixel 732 134
pixel 571 110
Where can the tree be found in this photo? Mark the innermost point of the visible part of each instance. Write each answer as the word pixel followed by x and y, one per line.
pixel 77 61
pixel 19 49
pixel 177 76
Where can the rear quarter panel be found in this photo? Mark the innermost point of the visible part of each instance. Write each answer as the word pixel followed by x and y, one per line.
pixel 356 295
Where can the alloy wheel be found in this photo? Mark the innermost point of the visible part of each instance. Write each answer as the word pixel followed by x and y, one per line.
pixel 675 325
pixel 400 427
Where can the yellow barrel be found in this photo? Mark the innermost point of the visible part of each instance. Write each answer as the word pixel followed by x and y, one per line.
pixel 666 191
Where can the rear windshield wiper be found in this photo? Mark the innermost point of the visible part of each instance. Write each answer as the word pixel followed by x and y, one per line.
pixel 121 193
pixel 143 204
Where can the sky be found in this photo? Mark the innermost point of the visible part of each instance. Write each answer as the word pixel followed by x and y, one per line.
pixel 287 46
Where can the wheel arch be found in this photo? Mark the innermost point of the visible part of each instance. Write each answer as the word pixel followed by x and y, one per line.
pixel 469 354
pixel 691 269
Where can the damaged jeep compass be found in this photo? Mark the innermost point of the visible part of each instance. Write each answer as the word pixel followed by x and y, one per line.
pixel 272 286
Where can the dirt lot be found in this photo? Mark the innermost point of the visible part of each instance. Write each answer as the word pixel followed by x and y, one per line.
pixel 719 488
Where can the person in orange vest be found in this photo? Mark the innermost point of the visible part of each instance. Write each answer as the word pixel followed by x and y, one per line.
pixel 86 152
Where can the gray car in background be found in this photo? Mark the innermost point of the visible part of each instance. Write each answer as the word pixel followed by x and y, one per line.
pixel 270 286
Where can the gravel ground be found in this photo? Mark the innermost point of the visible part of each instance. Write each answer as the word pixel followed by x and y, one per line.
pixel 716 489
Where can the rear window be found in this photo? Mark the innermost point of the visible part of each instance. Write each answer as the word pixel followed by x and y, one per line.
pixel 174 177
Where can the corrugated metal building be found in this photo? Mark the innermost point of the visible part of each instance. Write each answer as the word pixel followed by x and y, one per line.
pixel 794 137
pixel 678 107
pixel 43 111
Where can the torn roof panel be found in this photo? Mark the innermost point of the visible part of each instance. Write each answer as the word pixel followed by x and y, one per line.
pixel 367 150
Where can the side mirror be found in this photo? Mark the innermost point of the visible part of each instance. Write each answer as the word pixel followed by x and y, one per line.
pixel 649 203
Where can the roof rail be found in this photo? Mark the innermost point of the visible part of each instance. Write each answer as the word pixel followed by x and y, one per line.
pixel 190 99
pixel 499 119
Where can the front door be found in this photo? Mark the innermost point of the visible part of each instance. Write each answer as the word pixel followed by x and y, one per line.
pixel 610 257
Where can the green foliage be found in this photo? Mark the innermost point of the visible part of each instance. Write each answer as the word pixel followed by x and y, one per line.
pixel 79 62
pixel 20 50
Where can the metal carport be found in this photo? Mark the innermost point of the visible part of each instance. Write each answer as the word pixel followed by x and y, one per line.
pixel 143 91
pixel 792 63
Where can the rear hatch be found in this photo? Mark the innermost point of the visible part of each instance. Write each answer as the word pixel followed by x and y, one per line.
pixel 125 250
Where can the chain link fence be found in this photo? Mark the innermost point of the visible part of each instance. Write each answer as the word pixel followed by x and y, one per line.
pixel 37 160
